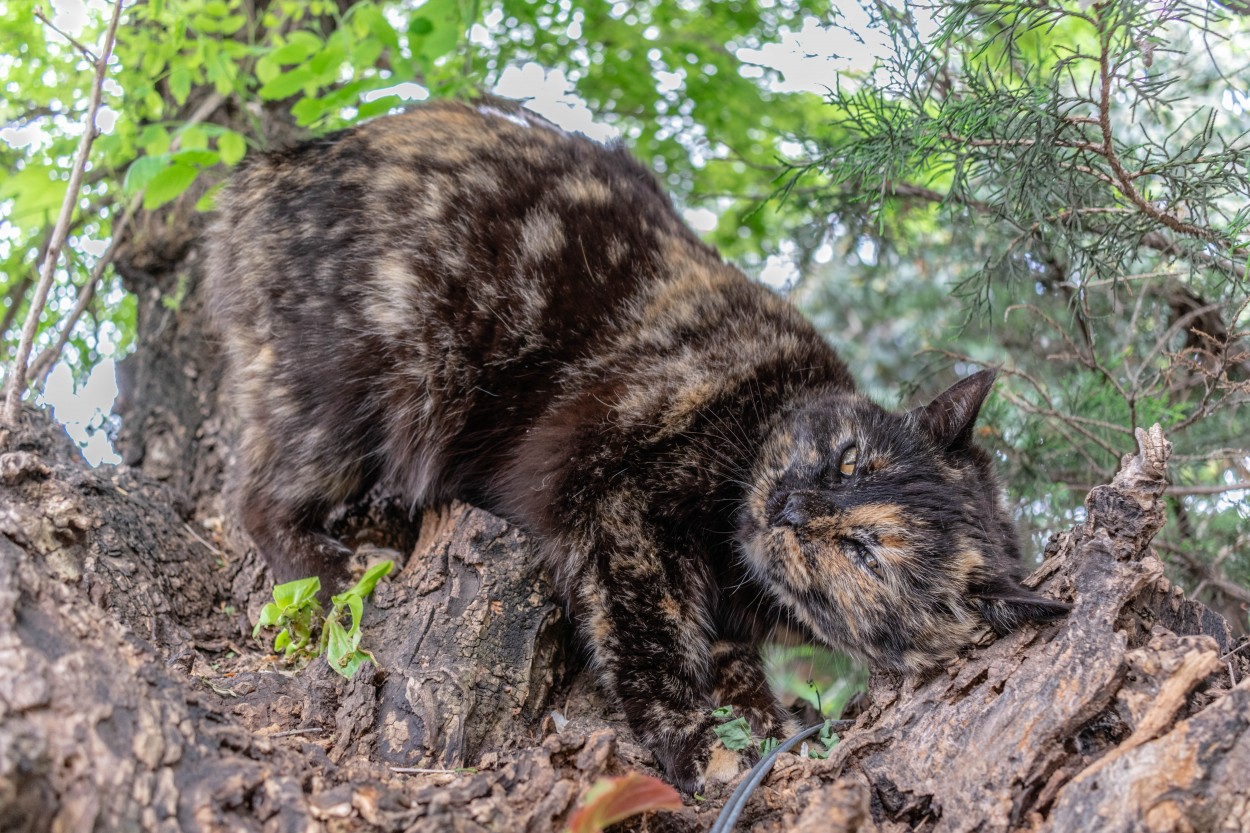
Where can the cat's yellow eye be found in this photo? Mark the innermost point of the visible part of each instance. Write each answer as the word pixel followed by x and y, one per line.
pixel 849 458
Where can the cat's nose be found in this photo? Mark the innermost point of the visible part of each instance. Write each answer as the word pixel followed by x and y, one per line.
pixel 794 512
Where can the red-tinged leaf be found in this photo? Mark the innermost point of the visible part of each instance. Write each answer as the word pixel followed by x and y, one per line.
pixel 613 799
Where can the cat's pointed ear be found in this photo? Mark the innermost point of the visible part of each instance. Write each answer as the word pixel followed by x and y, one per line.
pixel 1005 604
pixel 949 418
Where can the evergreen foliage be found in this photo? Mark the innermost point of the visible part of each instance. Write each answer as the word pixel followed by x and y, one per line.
pixel 1063 190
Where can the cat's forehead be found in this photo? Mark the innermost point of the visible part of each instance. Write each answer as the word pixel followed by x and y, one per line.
pixel 833 424
pixel 884 441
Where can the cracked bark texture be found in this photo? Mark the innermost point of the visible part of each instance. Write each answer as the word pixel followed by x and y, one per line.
pixel 131 696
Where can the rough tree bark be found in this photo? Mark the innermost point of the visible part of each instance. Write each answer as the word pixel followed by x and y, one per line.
pixel 131 697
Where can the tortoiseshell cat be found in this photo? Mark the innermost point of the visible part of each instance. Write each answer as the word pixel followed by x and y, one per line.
pixel 470 303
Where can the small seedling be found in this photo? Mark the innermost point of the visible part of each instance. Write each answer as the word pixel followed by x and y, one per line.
pixel 298 614
pixel 828 739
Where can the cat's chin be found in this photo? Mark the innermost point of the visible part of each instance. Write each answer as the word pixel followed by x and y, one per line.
pixel 766 549
pixel 754 555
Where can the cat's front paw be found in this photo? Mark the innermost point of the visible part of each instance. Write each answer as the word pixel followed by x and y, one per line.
pixel 724 765
pixel 695 758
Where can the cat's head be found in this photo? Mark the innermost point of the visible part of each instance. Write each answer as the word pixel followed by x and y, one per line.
pixel 885 533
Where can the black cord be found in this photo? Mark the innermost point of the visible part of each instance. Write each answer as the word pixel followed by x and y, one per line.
pixel 733 807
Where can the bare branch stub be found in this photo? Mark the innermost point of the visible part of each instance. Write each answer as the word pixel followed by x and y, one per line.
pixel 1129 508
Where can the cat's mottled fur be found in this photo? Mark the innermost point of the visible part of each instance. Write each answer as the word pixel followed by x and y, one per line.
pixel 467 302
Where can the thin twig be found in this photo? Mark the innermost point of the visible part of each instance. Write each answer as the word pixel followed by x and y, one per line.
pixel 87 53
pixel 1223 360
pixel 1243 646
pixel 1029 407
pixel 1207 573
pixel 1151 240
pixel 42 365
pixel 16 292
pixel 906 189
pixel 1181 491
pixel 1123 279
pixel 1125 179
pixel 989 143
pixel 17 371
pixel 201 112
pixel 315 730
pixel 31 116
pixel 216 551
pixel 1090 361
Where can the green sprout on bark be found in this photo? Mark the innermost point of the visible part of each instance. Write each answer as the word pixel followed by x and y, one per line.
pixel 306 633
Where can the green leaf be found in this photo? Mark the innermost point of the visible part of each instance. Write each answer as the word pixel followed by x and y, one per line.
pixel 378 106
pixel 298 592
pixel 827 736
pixel 270 614
pixel 154 140
pixel 209 200
pixel 152 64
pixel 339 646
pixel 436 29
pixel 286 84
pixel 294 52
pixel 768 745
pixel 37 193
pixel 723 712
pixel 232 147
pixel 232 23
pixel 348 664
pixel 377 24
pixel 193 137
pixel 325 65
pixel 736 734
pixel 198 157
pixel 180 83
pixel 205 24
pixel 310 109
pixel 366 53
pixel 267 69
pixel 371 578
pixel 281 641
pixel 310 40
pixel 222 72
pixel 357 607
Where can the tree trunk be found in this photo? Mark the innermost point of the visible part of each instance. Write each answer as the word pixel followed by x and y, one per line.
pixel 132 698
